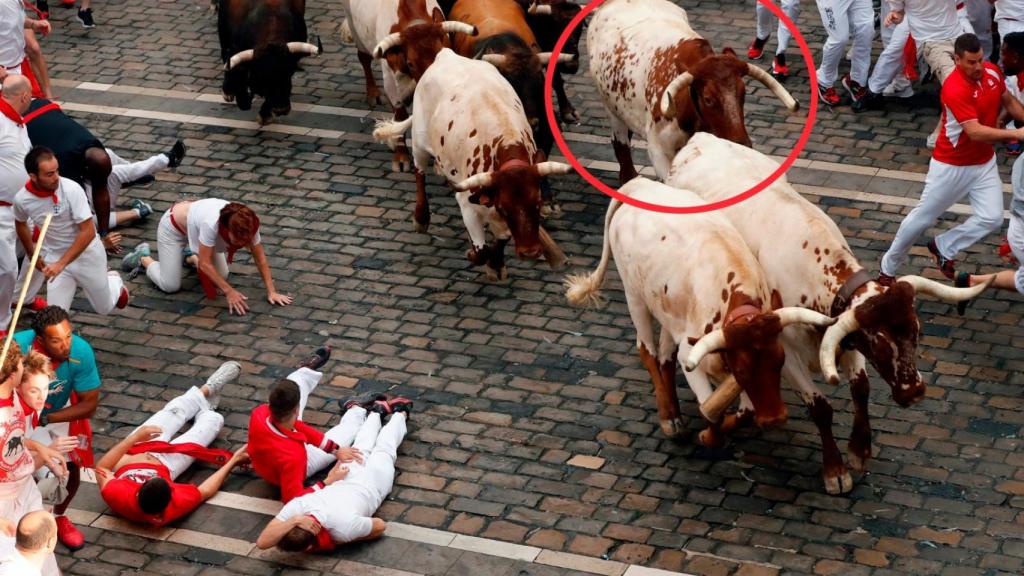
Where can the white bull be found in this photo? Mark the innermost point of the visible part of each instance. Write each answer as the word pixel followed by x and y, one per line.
pixel 808 262
pixel 695 276
pixel 659 78
pixel 468 118
pixel 406 35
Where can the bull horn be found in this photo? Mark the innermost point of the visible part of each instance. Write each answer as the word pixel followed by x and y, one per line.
pixel 943 292
pixel 845 325
pixel 544 9
pixel 773 85
pixel 668 98
pixel 545 57
pixel 797 315
pixel 389 42
pixel 548 168
pixel 240 58
pixel 303 48
pixel 482 180
pixel 453 26
pixel 498 60
pixel 708 343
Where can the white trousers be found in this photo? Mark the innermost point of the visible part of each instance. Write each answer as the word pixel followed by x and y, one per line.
pixel 938 55
pixel 840 17
pixel 379 447
pixel 122 172
pixel 8 264
pixel 766 20
pixel 166 272
pixel 173 416
pixel 28 500
pixel 89 270
pixel 944 186
pixel 342 434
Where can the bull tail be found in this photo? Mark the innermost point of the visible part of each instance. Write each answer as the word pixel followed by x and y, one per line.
pixel 391 131
pixel 585 290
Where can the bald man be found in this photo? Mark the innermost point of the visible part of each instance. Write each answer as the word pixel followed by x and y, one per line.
pixel 14 144
pixel 34 542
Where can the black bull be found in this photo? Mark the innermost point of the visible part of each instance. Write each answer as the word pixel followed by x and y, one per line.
pixel 261 43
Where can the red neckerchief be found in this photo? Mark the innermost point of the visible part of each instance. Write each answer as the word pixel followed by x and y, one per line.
pixel 1020 82
pixel 197 451
pixel 11 113
pixel 31 187
pixel 29 412
pixel 324 542
pixel 7 402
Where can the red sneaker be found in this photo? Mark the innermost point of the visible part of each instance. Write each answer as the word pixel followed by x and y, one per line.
pixel 857 92
pixel 779 68
pixel 945 265
pixel 68 534
pixel 828 96
pixel 756 49
pixel 122 302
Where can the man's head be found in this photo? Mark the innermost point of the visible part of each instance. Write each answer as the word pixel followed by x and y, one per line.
pixel 52 326
pixel 37 533
pixel 284 403
pixel 968 56
pixel 35 382
pixel 41 165
pixel 17 91
pixel 154 496
pixel 298 539
pixel 12 367
pixel 1012 53
pixel 238 224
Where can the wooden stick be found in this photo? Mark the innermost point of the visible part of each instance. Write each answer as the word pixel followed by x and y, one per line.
pixel 24 287
pixel 720 399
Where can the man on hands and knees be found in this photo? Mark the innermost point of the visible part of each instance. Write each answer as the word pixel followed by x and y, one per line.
pixel 137 476
pixel 284 449
pixel 34 541
pixel 342 511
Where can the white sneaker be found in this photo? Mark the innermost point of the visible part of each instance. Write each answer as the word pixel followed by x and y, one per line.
pixel 900 87
pixel 227 372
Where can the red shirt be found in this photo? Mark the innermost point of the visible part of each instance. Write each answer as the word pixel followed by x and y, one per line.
pixel 279 456
pixel 121 494
pixel 964 99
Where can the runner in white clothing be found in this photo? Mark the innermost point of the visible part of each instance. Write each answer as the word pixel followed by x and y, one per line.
pixel 124 173
pixel 72 254
pixel 1009 16
pixel 766 20
pixel 211 230
pixel 13 24
pixel 342 512
pixel 840 17
pixel 14 145
pixel 34 541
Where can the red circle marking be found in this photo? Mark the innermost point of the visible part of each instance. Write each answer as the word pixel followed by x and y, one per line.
pixel 560 141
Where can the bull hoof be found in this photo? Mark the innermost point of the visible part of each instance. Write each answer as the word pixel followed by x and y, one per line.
pixel 228 97
pixel 570 116
pixel 401 162
pixel 710 438
pixel 550 209
pixel 839 484
pixel 373 98
pixel 496 275
pixel 420 227
pixel 264 120
pixel 858 459
pixel 672 428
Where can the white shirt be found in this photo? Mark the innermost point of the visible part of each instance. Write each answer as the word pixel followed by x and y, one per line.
pixel 70 210
pixel 12 563
pixel 203 225
pixel 930 20
pixel 1010 10
pixel 343 509
pixel 12 33
pixel 14 145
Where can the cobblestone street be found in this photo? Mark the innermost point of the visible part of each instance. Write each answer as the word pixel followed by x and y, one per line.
pixel 535 422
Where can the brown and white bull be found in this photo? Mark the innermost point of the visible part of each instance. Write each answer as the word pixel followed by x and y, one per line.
pixel 406 35
pixel 808 262
pixel 659 78
pixel 715 310
pixel 468 118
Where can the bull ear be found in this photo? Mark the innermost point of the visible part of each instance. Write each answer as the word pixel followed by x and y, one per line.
pixel 437 15
pixel 482 198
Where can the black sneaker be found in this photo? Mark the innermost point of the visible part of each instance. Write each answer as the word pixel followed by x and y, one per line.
pixel 366 401
pixel 400 405
pixel 867 102
pixel 142 180
pixel 317 359
pixel 85 17
pixel 945 265
pixel 962 280
pixel 176 154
